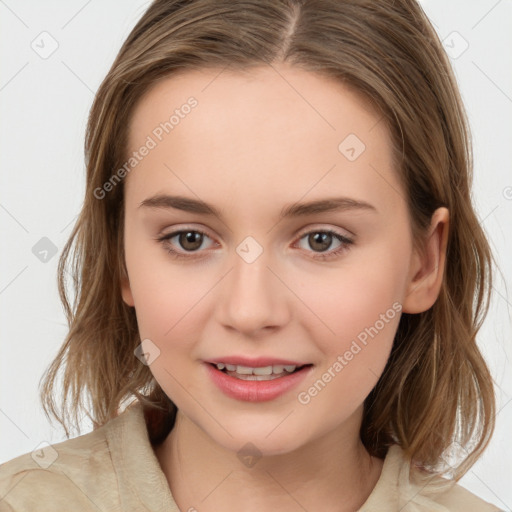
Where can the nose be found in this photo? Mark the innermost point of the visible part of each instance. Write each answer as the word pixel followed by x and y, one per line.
pixel 252 299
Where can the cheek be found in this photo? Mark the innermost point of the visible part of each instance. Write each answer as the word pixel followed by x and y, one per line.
pixel 164 293
pixel 167 300
pixel 363 310
pixel 353 299
pixel 360 308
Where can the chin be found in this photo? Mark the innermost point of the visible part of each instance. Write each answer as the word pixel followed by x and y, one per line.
pixel 264 437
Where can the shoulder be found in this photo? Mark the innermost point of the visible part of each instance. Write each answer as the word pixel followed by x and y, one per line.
pixel 437 492
pixel 56 475
pixel 411 490
pixel 457 498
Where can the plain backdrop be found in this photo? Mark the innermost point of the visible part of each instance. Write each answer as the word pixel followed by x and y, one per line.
pixel 54 56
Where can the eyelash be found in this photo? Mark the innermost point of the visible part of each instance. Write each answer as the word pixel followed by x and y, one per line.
pixel 346 242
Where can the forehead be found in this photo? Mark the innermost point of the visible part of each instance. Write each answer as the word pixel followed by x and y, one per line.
pixel 275 95
pixel 269 129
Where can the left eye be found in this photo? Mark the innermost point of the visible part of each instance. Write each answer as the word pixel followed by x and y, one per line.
pixel 191 241
pixel 321 241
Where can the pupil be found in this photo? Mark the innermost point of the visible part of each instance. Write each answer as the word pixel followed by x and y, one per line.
pixel 191 240
pixel 318 241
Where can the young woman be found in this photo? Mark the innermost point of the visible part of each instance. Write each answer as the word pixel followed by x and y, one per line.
pixel 279 272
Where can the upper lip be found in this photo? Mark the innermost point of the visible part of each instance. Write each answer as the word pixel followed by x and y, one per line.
pixel 256 362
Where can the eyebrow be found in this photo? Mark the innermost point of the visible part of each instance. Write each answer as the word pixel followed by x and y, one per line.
pixel 163 201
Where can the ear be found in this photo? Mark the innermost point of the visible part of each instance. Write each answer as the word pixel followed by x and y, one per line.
pixel 126 290
pixel 427 266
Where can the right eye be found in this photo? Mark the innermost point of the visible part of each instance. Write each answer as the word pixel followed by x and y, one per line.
pixel 190 241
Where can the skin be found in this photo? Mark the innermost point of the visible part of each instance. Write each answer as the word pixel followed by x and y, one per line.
pixel 257 141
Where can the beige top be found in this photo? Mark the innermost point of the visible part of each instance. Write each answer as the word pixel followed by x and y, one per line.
pixel 114 468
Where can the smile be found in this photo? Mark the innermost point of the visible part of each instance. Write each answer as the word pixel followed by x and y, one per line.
pixel 256 383
pixel 257 373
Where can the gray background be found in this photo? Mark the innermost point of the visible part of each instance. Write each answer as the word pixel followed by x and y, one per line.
pixel 44 102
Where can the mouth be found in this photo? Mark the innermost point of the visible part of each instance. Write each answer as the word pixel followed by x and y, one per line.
pixel 256 383
pixel 258 373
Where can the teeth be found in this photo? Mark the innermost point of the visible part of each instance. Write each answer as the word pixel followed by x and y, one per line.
pixel 244 370
pixel 266 370
pixel 276 369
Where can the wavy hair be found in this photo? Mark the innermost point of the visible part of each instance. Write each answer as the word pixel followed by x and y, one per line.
pixel 436 388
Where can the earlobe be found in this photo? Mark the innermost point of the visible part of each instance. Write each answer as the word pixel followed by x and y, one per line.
pixel 427 266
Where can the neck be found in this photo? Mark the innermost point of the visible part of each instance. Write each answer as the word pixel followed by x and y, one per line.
pixel 334 470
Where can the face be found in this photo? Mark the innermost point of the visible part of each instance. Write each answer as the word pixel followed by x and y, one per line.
pixel 254 279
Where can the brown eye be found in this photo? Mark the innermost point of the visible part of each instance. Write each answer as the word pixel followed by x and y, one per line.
pixel 320 244
pixel 190 240
pixel 320 241
pixel 185 242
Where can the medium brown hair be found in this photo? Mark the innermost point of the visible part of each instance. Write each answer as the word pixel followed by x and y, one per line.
pixel 436 387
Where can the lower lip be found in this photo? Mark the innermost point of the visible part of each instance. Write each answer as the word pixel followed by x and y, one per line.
pixel 255 390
